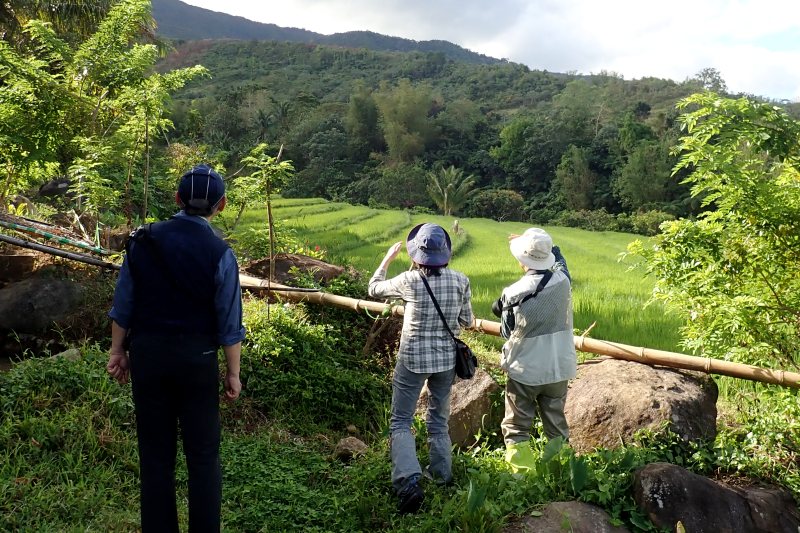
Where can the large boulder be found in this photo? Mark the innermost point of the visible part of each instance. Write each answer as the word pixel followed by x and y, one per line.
pixel 557 517
pixel 669 494
pixel 611 399
pixel 471 410
pixel 35 304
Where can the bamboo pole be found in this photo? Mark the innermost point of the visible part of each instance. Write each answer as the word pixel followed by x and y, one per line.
pixel 53 237
pixel 61 253
pixel 638 354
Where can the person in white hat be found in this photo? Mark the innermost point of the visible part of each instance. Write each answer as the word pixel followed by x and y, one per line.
pixel 426 355
pixel 539 355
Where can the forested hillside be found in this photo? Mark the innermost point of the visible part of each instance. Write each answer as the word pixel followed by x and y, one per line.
pixel 377 127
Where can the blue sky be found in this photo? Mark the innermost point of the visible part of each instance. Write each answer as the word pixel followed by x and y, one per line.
pixel 755 45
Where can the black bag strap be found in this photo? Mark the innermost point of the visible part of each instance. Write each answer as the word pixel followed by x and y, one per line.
pixel 545 278
pixel 436 305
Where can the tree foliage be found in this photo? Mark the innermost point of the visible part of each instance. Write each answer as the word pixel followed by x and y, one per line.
pixel 734 273
pixel 450 189
pixel 268 174
pixel 575 181
pixel 90 111
pixel 407 127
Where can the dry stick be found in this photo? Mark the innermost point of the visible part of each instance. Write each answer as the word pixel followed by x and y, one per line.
pixel 146 165
pixel 597 346
pixel 271 226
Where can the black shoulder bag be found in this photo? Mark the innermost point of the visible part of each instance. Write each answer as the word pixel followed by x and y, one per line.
pixel 466 362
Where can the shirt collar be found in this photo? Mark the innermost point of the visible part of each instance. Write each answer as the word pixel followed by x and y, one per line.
pixel 197 219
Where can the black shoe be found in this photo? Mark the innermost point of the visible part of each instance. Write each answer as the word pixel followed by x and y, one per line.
pixel 436 480
pixel 411 498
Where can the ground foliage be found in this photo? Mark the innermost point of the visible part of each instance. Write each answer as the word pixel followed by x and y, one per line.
pixel 69 454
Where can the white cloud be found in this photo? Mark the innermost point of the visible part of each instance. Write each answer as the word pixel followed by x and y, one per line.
pixel 755 44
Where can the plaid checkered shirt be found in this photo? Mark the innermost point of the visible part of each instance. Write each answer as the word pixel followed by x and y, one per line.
pixel 425 345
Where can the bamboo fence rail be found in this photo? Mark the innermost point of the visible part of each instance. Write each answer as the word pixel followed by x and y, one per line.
pixel 582 343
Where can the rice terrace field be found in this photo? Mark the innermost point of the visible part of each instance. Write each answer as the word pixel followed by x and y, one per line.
pixel 606 289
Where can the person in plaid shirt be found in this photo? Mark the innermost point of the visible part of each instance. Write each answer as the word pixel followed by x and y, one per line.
pixel 426 353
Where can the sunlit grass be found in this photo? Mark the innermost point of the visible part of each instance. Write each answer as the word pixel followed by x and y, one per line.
pixel 606 291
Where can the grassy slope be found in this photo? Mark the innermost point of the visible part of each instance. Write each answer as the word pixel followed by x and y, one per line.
pixel 606 291
pixel 68 451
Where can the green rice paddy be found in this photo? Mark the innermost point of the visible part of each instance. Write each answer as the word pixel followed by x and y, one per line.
pixel 607 292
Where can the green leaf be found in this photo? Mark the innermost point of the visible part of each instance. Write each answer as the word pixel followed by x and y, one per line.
pixel 552 448
pixel 578 473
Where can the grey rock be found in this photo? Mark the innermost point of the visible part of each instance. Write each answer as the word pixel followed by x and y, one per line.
pixel 611 399
pixel 35 304
pixel 669 494
pixel 348 448
pixel 558 517
pixel 470 407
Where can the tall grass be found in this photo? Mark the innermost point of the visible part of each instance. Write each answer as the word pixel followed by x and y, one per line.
pixel 606 291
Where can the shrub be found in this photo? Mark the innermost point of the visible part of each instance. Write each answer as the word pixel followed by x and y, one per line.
pixel 497 204
pixel 595 220
pixel 644 223
pixel 297 371
pixel 253 243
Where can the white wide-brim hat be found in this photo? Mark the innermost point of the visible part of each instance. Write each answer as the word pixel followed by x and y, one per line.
pixel 534 249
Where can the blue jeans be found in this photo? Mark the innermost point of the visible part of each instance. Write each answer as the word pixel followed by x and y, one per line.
pixel 406 387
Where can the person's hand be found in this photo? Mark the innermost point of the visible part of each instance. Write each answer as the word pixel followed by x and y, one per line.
pixel 118 365
pixel 393 252
pixel 233 386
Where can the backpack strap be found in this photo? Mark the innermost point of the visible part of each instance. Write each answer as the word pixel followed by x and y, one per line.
pixel 545 278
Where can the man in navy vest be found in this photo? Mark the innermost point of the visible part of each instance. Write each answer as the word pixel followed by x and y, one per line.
pixel 177 300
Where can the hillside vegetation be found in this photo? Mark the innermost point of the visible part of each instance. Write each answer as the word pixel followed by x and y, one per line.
pixel 178 20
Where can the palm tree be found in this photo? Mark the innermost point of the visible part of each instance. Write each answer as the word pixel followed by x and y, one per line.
pixel 72 20
pixel 450 188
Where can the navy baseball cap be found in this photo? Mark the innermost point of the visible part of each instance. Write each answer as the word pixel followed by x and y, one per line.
pixel 201 190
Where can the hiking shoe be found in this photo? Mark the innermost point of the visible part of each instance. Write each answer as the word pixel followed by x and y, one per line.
pixel 410 498
pixel 436 480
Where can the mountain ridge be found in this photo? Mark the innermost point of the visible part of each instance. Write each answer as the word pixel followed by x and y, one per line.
pixel 181 21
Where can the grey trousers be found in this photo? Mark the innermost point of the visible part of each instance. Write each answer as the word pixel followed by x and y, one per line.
pixel 522 404
pixel 406 386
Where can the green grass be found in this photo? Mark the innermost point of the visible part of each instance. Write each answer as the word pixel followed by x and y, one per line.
pixel 68 463
pixel 606 291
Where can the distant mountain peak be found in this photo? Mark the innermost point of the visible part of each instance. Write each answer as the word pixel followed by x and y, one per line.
pixel 178 20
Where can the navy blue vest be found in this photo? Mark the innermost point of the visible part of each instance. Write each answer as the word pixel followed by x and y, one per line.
pixel 173 264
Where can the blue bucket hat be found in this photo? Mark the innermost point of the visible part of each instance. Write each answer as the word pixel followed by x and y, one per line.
pixel 201 190
pixel 429 245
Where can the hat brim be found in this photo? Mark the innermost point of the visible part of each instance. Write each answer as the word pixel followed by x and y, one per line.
pixel 428 259
pixel 518 251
